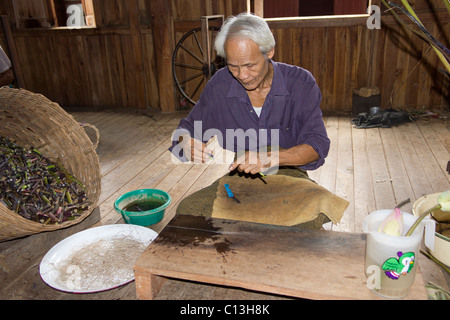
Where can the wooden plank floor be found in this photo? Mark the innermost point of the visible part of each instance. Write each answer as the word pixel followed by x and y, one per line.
pixel 133 152
pixel 371 168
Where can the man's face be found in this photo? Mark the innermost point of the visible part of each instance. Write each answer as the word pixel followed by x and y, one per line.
pixel 246 62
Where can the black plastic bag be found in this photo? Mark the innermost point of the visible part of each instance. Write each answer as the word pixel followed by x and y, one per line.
pixel 383 119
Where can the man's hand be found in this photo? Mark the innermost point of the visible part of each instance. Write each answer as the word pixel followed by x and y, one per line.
pixel 194 150
pixel 254 162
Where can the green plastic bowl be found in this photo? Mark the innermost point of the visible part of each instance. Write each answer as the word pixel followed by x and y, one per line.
pixel 144 218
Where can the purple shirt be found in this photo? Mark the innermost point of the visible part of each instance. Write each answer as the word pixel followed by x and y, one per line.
pixel 292 108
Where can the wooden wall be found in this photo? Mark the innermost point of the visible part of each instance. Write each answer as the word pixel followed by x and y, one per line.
pixel 344 55
pixel 108 67
pixel 116 65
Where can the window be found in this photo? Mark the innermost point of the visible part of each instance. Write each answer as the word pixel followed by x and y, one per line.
pixel 307 8
pixel 54 13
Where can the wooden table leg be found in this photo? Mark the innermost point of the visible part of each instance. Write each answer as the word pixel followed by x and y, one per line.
pixel 148 285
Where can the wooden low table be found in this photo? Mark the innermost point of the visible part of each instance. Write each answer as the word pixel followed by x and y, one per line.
pixel 278 260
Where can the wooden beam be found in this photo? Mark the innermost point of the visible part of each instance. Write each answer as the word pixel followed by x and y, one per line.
pixel 259 8
pixel 351 20
pixel 139 75
pixel 163 45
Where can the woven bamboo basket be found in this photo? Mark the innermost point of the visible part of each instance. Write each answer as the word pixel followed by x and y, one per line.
pixel 32 120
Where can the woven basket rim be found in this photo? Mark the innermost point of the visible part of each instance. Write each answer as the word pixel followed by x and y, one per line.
pixel 25 115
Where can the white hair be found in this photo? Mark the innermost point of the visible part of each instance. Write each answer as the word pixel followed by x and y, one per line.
pixel 248 26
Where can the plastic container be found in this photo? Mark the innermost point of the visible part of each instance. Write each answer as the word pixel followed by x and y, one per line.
pixel 147 217
pixel 392 260
pixel 374 110
pixel 441 249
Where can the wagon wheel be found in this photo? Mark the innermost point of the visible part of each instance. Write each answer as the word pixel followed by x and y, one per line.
pixel 190 71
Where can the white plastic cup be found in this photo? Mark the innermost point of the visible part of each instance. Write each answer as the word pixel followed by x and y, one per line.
pixel 391 262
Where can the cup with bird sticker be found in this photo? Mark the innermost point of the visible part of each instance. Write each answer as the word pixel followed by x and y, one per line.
pixel 391 260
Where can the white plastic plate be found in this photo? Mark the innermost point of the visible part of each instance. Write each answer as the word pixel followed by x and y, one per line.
pixel 64 249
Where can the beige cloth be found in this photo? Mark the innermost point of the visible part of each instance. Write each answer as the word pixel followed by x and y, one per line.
pixel 284 201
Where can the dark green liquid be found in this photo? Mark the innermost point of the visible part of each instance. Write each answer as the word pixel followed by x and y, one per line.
pixel 144 205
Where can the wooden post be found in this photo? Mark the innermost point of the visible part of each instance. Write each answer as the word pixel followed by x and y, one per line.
pixel 163 46
pixel 259 8
pixel 147 285
pixel 206 41
pixel 139 72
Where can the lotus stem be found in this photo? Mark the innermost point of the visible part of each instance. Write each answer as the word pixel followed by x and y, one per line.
pixel 414 226
pixel 410 10
pixel 430 256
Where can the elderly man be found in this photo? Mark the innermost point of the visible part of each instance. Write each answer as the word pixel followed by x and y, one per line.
pixel 265 111
pixel 256 93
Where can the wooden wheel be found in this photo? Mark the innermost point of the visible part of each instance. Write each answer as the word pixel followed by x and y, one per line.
pixel 190 67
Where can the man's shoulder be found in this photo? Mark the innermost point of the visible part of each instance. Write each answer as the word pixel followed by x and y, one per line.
pixel 219 85
pixel 221 79
pixel 294 72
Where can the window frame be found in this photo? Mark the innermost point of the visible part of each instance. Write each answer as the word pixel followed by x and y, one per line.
pixel 310 21
pixel 50 16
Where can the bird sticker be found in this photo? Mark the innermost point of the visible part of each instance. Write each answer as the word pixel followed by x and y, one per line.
pixel 394 267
